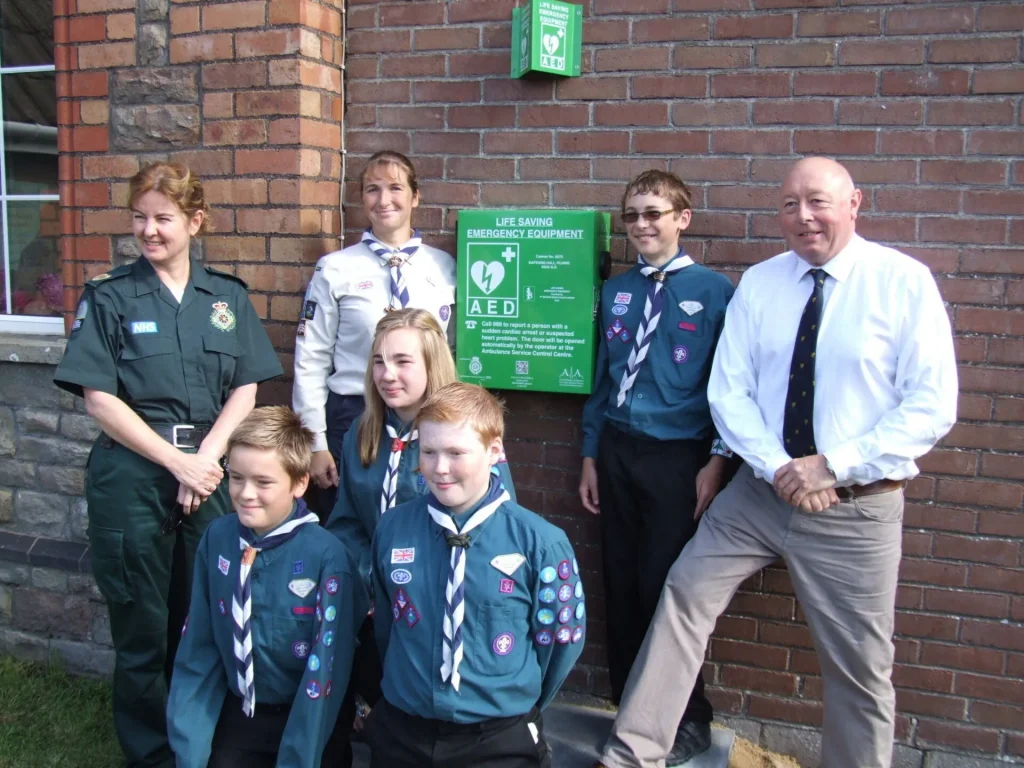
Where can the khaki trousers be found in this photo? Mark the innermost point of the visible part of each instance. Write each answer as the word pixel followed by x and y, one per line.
pixel 843 564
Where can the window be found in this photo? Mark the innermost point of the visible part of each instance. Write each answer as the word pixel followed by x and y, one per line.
pixel 31 288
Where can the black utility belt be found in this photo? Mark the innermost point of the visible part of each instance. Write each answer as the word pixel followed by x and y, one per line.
pixel 182 435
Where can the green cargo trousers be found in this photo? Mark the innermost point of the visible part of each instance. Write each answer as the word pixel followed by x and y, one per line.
pixel 146 579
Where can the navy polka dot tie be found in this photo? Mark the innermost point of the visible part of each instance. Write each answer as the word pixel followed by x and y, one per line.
pixel 798 425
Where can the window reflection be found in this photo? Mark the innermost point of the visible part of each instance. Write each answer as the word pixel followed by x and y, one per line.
pixel 36 286
pixel 26 32
pixel 30 133
pixel 30 275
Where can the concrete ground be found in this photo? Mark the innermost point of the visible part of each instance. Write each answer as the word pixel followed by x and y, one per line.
pixel 577 732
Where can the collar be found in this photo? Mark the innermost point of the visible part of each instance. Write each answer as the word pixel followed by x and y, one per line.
pixel 681 257
pixel 146 278
pixel 391 419
pixel 148 281
pixel 838 267
pixel 201 279
pixel 395 250
pixel 298 510
pixel 494 489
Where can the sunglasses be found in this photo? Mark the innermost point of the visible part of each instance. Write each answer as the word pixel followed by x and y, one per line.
pixel 632 217
pixel 173 521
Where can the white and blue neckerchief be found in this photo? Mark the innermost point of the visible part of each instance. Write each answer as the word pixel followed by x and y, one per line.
pixel 455 604
pixel 389 492
pixel 652 313
pixel 241 602
pixel 395 259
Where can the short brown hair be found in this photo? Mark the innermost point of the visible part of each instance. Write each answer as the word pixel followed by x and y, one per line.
pixel 663 184
pixel 277 428
pixel 175 182
pixel 461 402
pixel 388 157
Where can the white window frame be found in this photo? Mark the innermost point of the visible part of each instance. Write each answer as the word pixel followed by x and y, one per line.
pixel 11 323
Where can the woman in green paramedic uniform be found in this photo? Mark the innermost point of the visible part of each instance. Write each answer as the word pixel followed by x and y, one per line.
pixel 167 354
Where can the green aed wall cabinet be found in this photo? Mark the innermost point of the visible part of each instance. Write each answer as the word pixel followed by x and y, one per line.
pixel 547 36
pixel 528 287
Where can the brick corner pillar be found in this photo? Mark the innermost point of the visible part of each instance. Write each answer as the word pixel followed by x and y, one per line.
pixel 271 115
pixel 247 94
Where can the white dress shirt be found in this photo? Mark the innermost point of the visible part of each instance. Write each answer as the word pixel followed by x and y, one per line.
pixel 885 372
pixel 349 292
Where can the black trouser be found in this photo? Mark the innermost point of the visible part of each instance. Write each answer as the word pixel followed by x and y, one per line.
pixel 648 493
pixel 146 579
pixel 400 740
pixel 367 669
pixel 243 742
pixel 341 412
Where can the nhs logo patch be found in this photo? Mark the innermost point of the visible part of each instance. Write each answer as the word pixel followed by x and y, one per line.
pixel 143 326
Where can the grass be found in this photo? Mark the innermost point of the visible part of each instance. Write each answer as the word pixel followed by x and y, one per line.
pixel 49 719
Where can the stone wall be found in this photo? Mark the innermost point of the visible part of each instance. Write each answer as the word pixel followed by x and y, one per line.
pixel 50 609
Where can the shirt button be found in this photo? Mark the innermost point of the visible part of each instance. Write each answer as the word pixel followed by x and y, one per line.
pixel 639 397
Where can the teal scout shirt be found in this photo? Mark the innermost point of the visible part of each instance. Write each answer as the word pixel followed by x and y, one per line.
pixel 357 509
pixel 171 363
pixel 524 613
pixel 307 604
pixel 668 400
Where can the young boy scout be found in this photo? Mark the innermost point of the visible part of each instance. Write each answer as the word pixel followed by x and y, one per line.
pixel 650 465
pixel 266 652
pixel 480 613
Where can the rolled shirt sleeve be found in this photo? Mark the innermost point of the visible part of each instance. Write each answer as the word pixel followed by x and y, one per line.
pixel 90 358
pixel 314 354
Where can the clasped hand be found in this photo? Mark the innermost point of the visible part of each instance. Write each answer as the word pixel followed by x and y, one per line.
pixel 806 483
pixel 198 475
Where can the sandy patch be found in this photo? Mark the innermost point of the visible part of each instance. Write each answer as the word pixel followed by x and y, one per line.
pixel 747 755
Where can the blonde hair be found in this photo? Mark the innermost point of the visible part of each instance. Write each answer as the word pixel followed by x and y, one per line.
pixel 175 182
pixel 663 184
pixel 277 428
pixel 391 159
pixel 437 359
pixel 460 403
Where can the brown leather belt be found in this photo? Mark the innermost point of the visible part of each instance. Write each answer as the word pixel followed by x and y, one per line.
pixel 879 486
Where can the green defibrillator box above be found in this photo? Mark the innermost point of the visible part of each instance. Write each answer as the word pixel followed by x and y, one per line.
pixel 528 286
pixel 547 36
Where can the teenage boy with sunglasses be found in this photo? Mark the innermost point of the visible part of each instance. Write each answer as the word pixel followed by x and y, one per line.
pixel 652 462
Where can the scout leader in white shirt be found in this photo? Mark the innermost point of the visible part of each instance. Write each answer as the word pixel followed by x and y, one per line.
pixel 351 289
pixel 834 372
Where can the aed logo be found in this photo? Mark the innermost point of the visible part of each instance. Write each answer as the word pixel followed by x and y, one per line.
pixel 492 280
pixel 491 308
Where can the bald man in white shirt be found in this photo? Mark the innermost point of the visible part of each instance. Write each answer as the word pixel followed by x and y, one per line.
pixel 834 372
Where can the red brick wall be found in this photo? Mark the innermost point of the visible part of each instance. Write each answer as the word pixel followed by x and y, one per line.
pixel 922 102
